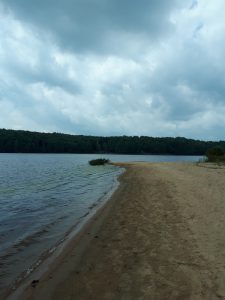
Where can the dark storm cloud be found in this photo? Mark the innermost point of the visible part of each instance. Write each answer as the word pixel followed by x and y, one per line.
pixel 87 25
pixel 113 67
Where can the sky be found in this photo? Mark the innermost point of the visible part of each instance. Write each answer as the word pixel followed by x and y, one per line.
pixel 113 67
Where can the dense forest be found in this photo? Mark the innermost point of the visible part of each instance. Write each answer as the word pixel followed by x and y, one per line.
pixel 19 141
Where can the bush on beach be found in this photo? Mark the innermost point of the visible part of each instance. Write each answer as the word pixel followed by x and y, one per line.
pixel 215 154
pixel 99 162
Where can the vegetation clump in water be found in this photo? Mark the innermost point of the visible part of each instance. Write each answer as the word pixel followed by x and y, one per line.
pixel 99 162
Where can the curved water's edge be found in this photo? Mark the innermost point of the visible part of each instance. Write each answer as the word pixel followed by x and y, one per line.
pixel 44 199
pixel 41 265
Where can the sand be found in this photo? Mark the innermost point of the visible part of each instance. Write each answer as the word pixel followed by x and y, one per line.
pixel 160 236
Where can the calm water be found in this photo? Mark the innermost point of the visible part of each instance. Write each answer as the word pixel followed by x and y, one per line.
pixel 42 196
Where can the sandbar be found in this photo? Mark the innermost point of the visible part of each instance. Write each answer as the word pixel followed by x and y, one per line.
pixel 160 236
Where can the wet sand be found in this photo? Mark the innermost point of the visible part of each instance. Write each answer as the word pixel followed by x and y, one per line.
pixel 161 236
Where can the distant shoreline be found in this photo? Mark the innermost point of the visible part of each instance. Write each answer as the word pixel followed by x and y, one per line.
pixel 21 141
pixel 154 238
pixel 102 154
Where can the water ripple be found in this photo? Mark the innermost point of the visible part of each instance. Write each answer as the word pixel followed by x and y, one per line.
pixel 41 196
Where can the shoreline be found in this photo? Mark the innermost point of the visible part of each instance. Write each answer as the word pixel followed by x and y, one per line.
pixel 160 236
pixel 42 265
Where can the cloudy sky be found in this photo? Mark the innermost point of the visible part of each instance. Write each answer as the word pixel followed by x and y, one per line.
pixel 113 67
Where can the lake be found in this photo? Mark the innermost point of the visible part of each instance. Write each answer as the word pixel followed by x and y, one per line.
pixel 45 196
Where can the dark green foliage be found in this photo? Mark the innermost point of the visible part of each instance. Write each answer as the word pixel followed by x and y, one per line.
pixel 215 154
pixel 98 162
pixel 18 141
pixel 215 151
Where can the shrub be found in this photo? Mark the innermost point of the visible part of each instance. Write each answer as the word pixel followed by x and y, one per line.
pixel 98 162
pixel 215 154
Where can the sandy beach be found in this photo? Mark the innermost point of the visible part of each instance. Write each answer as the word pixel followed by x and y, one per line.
pixel 160 236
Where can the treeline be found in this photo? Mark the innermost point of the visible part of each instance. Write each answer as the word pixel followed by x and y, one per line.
pixel 19 141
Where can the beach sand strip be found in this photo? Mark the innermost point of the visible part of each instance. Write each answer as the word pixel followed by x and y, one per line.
pixel 160 236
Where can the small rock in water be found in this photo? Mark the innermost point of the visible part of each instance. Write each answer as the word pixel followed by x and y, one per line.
pixel 34 283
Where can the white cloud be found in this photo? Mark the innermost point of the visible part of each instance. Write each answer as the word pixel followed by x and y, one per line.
pixel 168 85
